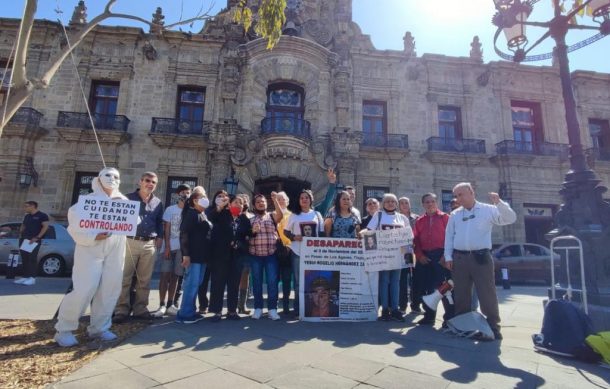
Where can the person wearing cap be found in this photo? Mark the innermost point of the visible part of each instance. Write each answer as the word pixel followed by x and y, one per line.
pixel 97 273
pixel 320 303
pixel 171 262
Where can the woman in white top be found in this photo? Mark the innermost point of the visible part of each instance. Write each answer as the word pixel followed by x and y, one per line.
pixel 389 280
pixel 305 222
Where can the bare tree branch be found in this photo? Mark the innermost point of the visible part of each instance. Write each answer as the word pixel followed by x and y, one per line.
pixel 25 30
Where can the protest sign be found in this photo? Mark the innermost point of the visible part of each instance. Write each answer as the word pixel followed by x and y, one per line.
pixel 386 249
pixel 102 214
pixel 333 283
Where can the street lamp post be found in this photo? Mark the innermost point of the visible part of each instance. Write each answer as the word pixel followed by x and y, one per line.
pixel 584 213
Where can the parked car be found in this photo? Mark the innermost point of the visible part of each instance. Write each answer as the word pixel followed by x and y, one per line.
pixel 526 262
pixel 56 255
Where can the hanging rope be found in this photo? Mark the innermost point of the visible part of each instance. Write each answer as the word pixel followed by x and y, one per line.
pixel 82 90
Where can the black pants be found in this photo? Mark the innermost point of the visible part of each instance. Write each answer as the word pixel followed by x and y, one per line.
pixel 202 293
pixel 29 260
pixel 417 287
pixel 226 272
pixel 286 278
pixel 432 275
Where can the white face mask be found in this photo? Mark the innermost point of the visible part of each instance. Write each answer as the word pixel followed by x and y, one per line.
pixel 110 178
pixel 203 202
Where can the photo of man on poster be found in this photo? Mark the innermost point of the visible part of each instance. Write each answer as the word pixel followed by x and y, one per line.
pixel 322 293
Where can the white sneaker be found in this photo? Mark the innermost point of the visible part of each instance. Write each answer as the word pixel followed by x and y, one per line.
pixel 172 310
pixel 65 339
pixel 273 315
pixel 257 314
pixel 106 336
pixel 20 281
pixel 159 312
pixel 29 281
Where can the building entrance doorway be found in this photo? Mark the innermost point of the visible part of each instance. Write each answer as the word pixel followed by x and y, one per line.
pixel 291 186
pixel 536 228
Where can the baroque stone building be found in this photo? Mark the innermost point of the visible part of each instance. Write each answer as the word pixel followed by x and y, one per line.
pixel 199 107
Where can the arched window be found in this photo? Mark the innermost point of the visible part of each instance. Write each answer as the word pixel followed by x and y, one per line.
pixel 285 110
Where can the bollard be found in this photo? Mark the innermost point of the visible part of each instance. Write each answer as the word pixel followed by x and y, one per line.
pixel 505 278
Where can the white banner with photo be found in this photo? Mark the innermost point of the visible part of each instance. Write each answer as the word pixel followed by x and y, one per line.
pixel 101 214
pixel 333 283
pixel 387 249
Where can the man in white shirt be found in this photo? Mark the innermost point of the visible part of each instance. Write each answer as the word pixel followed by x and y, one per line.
pixel 468 251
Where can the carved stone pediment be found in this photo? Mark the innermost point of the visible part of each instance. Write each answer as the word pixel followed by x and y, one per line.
pixel 167 141
pixel 86 135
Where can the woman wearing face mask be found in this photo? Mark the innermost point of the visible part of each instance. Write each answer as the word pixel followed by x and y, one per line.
pixel 228 241
pixel 194 243
pixel 389 280
pixel 305 221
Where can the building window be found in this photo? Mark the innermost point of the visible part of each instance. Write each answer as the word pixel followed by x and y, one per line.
pixel 5 78
pixel 103 102
pixel 600 134
pixel 171 197
pixel 449 123
pixel 374 121
pixel 285 109
pixel 375 192
pixel 527 125
pixel 446 197
pixel 190 108
pixel 82 185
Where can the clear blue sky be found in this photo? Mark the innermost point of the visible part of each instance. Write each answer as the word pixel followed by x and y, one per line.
pixel 439 26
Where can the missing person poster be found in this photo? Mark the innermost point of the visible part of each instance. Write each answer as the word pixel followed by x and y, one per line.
pixel 387 249
pixel 101 214
pixel 333 283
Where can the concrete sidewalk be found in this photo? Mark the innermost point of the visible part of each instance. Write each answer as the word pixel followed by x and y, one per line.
pixel 290 354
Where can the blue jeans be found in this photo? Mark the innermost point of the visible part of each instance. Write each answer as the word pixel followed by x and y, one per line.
pixel 270 265
pixel 193 277
pixel 389 281
pixel 296 273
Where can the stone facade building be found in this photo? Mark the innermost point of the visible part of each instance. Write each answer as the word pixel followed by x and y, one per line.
pixel 200 107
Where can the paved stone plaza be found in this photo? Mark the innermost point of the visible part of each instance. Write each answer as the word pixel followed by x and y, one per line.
pixel 290 354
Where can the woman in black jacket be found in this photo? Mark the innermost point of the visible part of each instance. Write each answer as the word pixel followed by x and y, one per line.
pixel 228 242
pixel 194 243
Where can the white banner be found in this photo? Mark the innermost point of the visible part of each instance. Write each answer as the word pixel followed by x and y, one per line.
pixel 333 284
pixel 101 214
pixel 387 249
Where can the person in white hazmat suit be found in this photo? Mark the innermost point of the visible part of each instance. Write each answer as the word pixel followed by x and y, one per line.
pixel 97 275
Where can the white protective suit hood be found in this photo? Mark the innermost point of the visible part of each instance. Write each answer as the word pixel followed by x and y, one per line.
pixel 102 181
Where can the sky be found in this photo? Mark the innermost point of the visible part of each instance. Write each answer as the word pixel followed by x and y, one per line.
pixel 438 26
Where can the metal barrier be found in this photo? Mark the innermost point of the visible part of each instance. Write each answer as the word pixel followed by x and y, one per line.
pixel 583 290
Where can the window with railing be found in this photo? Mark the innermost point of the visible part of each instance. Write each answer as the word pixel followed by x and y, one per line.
pixel 285 110
pixel 449 123
pixel 190 109
pixel 103 103
pixel 527 125
pixel 171 197
pixel 374 120
pixel 600 133
pixel 5 79
pixel 82 184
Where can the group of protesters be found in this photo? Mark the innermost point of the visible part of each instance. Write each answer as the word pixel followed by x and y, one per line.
pixel 218 241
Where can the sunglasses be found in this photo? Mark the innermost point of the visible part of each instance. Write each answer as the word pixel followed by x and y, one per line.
pixel 466 218
pixel 148 180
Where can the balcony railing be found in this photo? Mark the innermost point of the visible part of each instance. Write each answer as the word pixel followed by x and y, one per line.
pixel 452 145
pixel 286 126
pixel 600 154
pixel 532 148
pixel 398 141
pixel 178 126
pixel 102 122
pixel 27 116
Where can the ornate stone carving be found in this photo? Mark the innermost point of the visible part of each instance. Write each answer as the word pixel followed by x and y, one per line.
pixel 149 51
pixel 483 78
pixel 79 16
pixel 476 53
pixel 409 44
pixel 318 31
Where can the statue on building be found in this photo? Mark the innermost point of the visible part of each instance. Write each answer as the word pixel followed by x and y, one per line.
pixel 158 21
pixel 476 52
pixel 79 16
pixel 409 44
